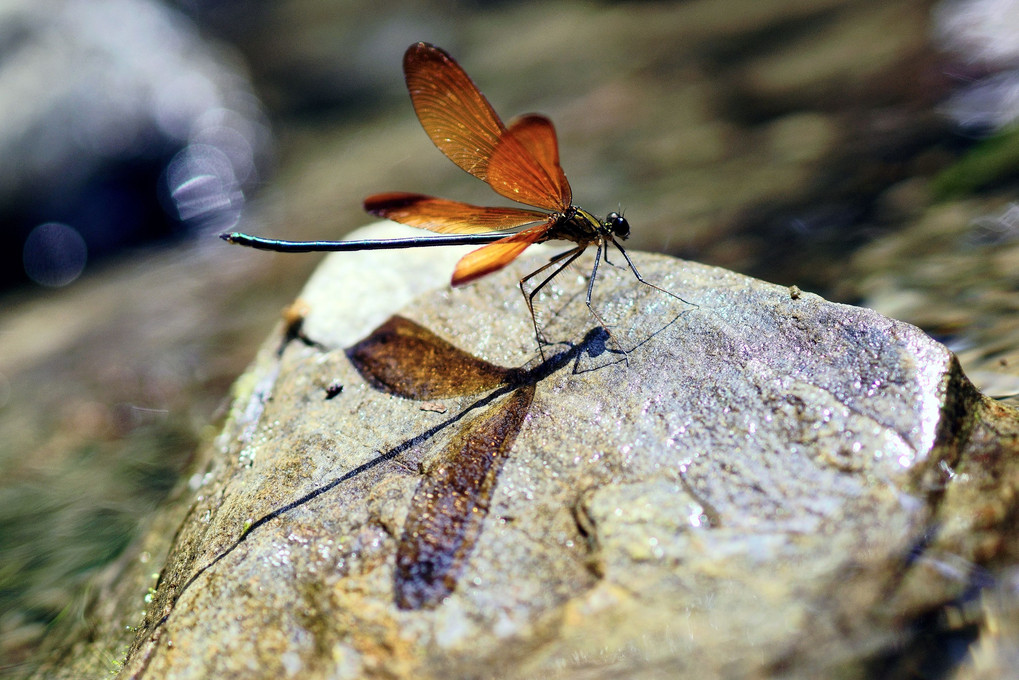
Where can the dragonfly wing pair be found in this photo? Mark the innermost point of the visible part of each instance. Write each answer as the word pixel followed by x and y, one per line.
pixel 519 161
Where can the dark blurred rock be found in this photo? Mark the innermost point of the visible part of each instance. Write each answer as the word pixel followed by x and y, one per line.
pixel 119 125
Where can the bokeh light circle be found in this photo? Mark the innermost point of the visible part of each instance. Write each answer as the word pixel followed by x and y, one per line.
pixel 54 254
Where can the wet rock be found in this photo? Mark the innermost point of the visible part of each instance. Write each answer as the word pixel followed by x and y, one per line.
pixel 757 482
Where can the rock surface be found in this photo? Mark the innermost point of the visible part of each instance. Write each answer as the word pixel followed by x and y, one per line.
pixel 757 482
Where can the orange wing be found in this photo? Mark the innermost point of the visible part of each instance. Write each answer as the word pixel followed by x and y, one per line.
pixel 521 162
pixel 497 255
pixel 448 217
pixel 525 165
pixel 451 109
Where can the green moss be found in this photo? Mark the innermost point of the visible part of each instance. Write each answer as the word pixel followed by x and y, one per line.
pixel 58 527
pixel 993 161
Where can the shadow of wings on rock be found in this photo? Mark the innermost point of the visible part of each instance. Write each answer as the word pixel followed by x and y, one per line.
pixel 404 358
pixel 453 498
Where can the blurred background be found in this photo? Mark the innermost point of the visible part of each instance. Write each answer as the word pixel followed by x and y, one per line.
pixel 865 150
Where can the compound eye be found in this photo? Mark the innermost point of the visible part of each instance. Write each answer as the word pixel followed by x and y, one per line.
pixel 618 224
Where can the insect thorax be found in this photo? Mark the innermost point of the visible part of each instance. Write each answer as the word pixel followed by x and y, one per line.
pixel 577 225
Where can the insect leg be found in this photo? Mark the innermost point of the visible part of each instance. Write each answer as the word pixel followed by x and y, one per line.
pixel 642 280
pixel 569 256
pixel 590 284
pixel 605 254
pixel 602 252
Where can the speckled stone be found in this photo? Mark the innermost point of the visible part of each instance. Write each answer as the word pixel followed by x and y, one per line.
pixel 761 481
